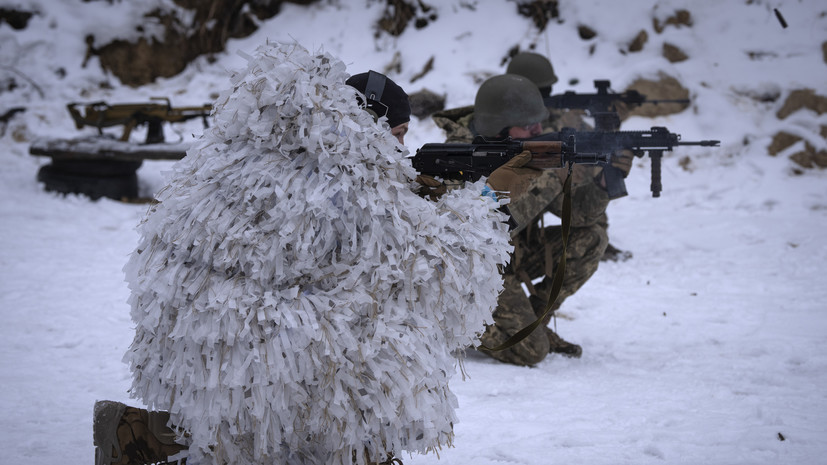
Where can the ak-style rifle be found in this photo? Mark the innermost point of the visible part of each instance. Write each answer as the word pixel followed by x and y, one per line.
pixel 468 162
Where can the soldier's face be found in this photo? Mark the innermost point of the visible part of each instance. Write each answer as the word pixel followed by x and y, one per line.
pixel 399 132
pixel 525 132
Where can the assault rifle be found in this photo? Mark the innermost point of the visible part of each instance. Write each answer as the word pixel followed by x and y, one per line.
pixel 601 105
pixel 604 144
pixel 468 162
pixel 102 115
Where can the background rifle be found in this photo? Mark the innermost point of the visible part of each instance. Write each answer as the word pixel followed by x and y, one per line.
pixel 469 162
pixel 102 115
pixel 605 144
pixel 602 105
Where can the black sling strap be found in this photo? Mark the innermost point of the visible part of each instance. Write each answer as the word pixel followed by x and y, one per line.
pixel 557 282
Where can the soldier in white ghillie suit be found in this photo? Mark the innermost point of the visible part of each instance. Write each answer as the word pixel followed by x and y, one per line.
pixel 295 301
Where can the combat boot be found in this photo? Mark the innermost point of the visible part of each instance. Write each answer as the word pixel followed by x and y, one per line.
pixel 513 313
pixel 558 345
pixel 614 254
pixel 126 435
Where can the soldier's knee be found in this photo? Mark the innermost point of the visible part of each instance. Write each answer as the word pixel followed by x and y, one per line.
pixel 589 243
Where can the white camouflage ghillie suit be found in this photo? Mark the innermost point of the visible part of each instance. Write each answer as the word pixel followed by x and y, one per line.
pixel 295 301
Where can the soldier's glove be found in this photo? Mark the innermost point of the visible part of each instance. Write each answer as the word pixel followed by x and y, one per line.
pixel 430 187
pixel 513 178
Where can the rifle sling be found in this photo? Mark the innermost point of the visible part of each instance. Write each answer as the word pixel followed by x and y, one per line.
pixel 557 282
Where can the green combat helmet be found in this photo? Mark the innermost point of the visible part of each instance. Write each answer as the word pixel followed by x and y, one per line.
pixel 535 67
pixel 507 100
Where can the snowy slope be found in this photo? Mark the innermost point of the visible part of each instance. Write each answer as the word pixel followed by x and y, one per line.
pixel 708 346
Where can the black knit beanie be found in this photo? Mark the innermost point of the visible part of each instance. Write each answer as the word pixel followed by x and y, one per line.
pixel 399 108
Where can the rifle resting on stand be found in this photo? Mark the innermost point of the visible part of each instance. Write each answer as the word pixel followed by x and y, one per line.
pixel 100 165
pixel 129 115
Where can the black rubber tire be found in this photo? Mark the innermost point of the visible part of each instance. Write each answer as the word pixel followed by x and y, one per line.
pixel 96 168
pixel 113 187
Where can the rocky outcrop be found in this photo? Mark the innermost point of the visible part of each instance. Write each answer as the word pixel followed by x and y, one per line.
pixel 213 23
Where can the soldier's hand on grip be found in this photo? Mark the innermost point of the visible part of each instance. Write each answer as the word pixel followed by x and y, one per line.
pixel 430 187
pixel 512 178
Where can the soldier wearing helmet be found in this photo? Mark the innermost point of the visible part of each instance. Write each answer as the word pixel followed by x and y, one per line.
pixel 511 105
pixel 508 101
pixel 535 67
pixel 539 70
pixel 537 246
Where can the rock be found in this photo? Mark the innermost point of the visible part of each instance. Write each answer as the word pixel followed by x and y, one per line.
pixel 764 93
pixel 585 32
pixel 667 88
pixel 429 66
pixel 802 98
pixel 17 19
pixel 213 23
pixel 540 11
pixel 810 158
pixel 398 14
pixel 820 158
pixel 782 140
pixel 136 64
pixel 673 53
pixel 638 42
pixel 680 18
pixel 425 103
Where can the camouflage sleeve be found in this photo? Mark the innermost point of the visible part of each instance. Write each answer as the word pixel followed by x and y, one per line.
pixel 588 205
pixel 456 124
pixel 545 194
pixel 541 193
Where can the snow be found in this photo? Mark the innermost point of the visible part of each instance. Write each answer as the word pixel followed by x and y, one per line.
pixel 708 346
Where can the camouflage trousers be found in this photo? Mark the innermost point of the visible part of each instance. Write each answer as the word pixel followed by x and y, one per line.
pixel 139 437
pixel 536 253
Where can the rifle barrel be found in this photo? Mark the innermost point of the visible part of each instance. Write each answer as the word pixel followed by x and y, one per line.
pixel 704 143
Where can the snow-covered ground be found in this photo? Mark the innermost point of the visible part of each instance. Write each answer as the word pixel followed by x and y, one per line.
pixel 708 346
